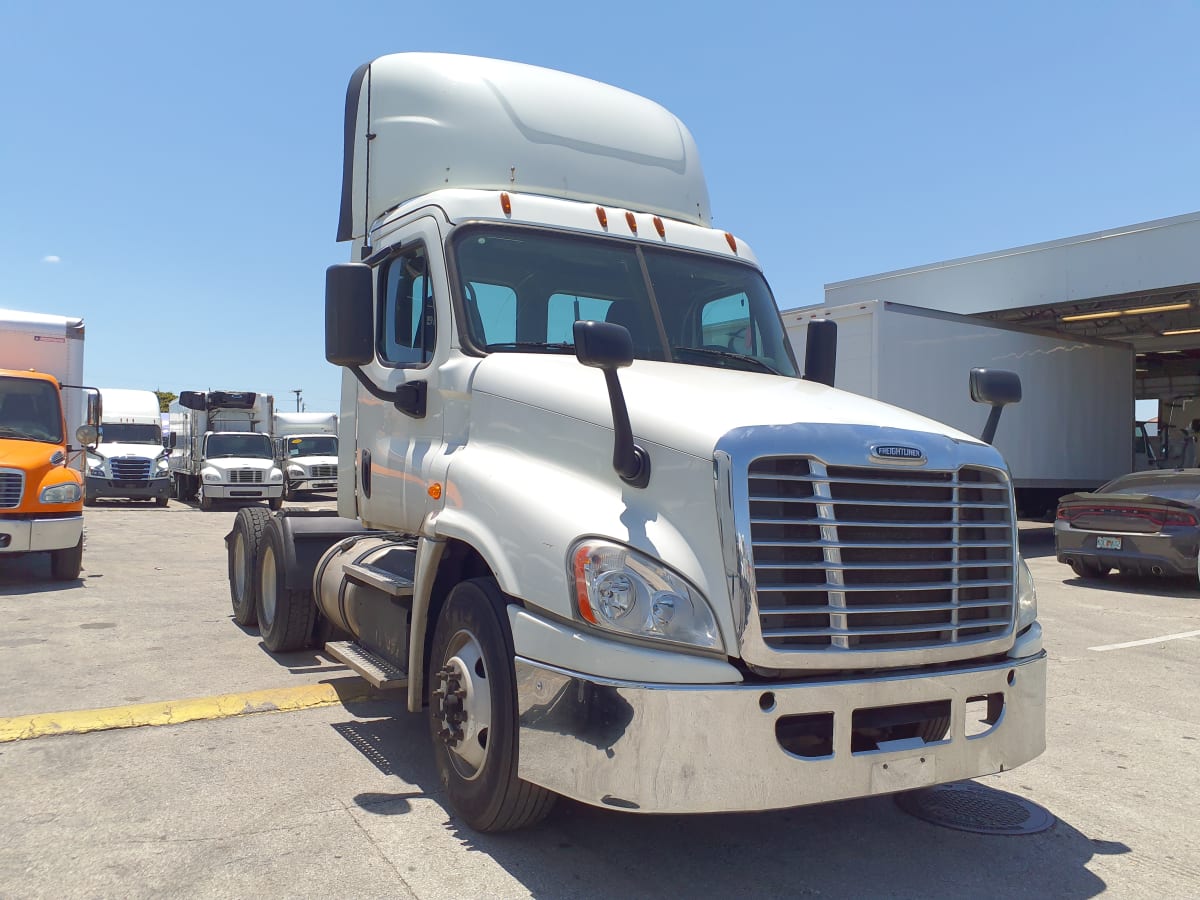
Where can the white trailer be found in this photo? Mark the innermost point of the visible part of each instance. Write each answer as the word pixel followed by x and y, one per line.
pixel 306 445
pixel 130 462
pixel 221 448
pixel 1071 430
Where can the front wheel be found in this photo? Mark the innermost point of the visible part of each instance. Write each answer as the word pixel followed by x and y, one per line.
pixel 473 713
pixel 206 502
pixel 66 564
pixel 275 502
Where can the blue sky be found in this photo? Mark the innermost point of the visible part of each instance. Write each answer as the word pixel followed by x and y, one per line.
pixel 171 172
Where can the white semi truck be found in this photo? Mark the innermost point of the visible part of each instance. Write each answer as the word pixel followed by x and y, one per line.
pixel 1072 436
pixel 593 519
pixel 221 448
pixel 306 446
pixel 130 462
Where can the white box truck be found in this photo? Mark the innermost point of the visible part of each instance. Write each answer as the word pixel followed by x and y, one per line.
pixel 43 406
pixel 306 446
pixel 221 448
pixel 130 462
pixel 1071 434
pixel 594 521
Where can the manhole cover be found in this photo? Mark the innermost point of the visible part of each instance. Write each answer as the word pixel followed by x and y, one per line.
pixel 967 806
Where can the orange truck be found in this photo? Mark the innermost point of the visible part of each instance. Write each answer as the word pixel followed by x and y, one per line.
pixel 41 403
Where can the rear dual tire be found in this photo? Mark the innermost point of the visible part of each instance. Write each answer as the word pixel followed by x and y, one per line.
pixel 243 553
pixel 285 615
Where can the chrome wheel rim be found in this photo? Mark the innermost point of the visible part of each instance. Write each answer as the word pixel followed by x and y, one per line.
pixel 266 587
pixel 463 705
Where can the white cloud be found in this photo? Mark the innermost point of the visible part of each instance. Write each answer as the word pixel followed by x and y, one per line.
pixel 51 259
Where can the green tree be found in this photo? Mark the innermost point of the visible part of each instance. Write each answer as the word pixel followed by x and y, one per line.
pixel 164 400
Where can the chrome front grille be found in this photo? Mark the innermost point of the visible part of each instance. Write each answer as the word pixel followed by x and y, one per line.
pixel 324 471
pixel 12 485
pixel 863 558
pixel 130 468
pixel 245 476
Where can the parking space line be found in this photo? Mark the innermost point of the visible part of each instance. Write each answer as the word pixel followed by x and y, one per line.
pixel 1153 640
pixel 174 712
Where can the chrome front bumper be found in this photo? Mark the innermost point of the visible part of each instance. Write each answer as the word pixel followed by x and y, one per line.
pixel 32 535
pixel 691 749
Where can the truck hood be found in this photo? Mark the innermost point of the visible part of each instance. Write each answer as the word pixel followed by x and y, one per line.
pixel 145 451
pixel 687 408
pixel 27 455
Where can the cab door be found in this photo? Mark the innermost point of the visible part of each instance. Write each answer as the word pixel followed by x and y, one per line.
pixel 400 441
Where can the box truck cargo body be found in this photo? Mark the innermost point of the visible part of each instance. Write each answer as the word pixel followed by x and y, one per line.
pixel 1070 432
pixel 42 408
pixel 130 462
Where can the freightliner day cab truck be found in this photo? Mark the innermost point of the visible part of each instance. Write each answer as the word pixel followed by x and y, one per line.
pixel 130 461
pixel 41 403
pixel 221 448
pixel 592 518
pixel 306 445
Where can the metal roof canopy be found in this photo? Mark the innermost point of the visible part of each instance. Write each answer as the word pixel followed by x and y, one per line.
pixel 1135 284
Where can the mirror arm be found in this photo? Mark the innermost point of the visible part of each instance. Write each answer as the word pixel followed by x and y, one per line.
pixel 410 398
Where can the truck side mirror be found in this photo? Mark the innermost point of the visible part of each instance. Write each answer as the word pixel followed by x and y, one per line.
pixel 820 351
pixel 349 315
pixel 608 347
pixel 193 400
pixel 997 388
pixel 169 440
pixel 88 436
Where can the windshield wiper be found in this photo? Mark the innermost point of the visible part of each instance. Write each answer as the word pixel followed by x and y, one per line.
pixel 537 346
pixel 729 354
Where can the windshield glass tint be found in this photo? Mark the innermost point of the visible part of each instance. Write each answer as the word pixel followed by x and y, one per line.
pixel 125 433
pixel 30 411
pixel 321 445
pixel 523 291
pixel 251 445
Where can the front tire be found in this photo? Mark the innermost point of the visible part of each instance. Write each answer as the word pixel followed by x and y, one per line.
pixel 285 616
pixel 206 502
pixel 66 564
pixel 244 544
pixel 275 503
pixel 473 713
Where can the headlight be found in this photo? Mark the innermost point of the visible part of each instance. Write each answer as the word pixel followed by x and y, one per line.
pixel 276 475
pixel 61 493
pixel 95 464
pixel 211 476
pixel 161 466
pixel 619 589
pixel 1026 596
pixel 295 471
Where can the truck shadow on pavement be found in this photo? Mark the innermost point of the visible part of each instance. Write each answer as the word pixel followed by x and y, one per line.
pixel 856 848
pixel 1139 585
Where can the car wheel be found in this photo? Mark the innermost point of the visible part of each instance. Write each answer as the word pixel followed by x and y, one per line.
pixel 473 713
pixel 1087 568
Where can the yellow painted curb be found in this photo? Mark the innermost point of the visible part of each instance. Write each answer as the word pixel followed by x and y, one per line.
pixel 174 712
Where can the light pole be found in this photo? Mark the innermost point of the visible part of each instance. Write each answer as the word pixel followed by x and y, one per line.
pixel 297 392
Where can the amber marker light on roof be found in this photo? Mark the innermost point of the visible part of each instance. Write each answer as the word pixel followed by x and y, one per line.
pixel 731 241
pixel 602 216
pixel 506 204
pixel 660 227
pixel 435 490
pixel 632 222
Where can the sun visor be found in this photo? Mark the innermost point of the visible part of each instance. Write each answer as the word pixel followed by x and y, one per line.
pixel 421 122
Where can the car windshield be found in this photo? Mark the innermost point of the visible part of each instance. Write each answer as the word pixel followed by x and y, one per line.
pixel 125 433
pixel 523 290
pixel 315 445
pixel 1184 488
pixel 30 410
pixel 256 446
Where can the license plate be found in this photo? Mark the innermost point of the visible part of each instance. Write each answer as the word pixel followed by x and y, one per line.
pixel 1108 543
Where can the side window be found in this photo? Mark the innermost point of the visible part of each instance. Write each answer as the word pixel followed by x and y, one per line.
pixel 407 324
pixel 564 310
pixel 725 323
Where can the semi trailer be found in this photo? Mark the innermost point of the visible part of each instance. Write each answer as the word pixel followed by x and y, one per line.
pixel 593 520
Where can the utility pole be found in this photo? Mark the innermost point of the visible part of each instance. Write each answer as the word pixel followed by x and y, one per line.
pixel 297 392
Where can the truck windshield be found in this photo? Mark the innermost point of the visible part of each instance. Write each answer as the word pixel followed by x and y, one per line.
pixel 30 410
pixel 256 446
pixel 126 433
pixel 524 289
pixel 311 445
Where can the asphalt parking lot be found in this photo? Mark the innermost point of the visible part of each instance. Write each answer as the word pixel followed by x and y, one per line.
pixel 339 797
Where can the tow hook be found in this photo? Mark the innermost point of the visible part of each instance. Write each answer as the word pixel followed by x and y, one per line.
pixel 450 694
